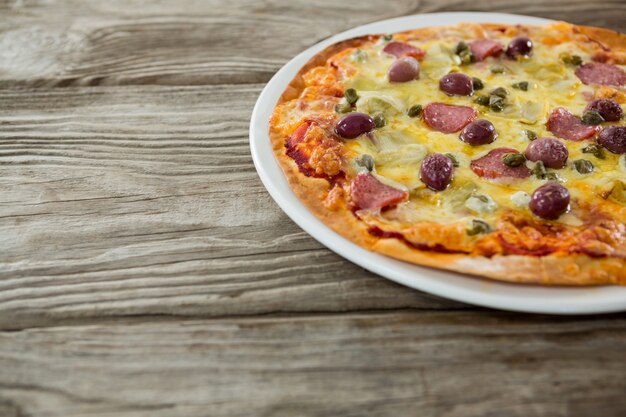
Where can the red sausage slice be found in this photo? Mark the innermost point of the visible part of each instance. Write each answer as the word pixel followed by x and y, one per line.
pixel 297 136
pixel 599 73
pixel 399 49
pixel 367 192
pixel 484 48
pixel 492 166
pixel 447 118
pixel 298 155
pixel 565 125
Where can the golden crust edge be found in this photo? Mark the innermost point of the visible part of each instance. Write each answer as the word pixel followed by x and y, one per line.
pixel 569 270
pixel 609 38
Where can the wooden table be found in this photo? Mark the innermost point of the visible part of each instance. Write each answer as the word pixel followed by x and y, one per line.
pixel 145 271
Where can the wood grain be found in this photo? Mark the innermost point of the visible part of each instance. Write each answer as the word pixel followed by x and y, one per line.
pixel 191 42
pixel 145 271
pixel 143 200
pixel 403 363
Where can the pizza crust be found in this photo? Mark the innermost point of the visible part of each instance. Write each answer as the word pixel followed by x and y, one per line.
pixel 567 269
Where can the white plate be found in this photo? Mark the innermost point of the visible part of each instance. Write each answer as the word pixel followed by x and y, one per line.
pixel 483 292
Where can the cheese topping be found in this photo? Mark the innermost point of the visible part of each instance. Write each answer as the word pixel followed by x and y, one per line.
pixel 398 147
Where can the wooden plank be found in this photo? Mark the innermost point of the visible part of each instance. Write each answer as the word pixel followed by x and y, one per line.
pixel 130 203
pixel 143 200
pixel 452 364
pixel 188 42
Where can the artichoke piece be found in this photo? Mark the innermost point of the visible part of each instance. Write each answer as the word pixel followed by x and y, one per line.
pixel 376 103
pixel 481 203
pixel 402 156
pixel 531 112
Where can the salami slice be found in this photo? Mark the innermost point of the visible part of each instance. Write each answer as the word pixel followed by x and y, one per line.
pixel 599 73
pixel 367 192
pixel 492 166
pixel 565 125
pixel 447 118
pixel 297 136
pixel 298 155
pixel 399 49
pixel 484 48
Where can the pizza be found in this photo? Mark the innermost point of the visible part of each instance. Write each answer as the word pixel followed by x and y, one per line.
pixel 487 149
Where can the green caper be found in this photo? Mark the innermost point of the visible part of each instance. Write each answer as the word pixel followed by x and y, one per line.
pixel 387 37
pixel 366 161
pixel 460 47
pixel 358 55
pixel 530 135
pixel 583 166
pixel 551 176
pixel 379 120
pixel 592 118
pixel 478 227
pixel 477 83
pixel 343 107
pixel 463 51
pixel 351 96
pixel 500 92
pixel 539 171
pixel 482 100
pixel 466 57
pixel 522 85
pixel 415 110
pixel 574 60
pixel 497 69
pixel 513 159
pixel 496 103
pixel 455 162
pixel 594 149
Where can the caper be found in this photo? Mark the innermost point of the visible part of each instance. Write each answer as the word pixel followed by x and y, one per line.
pixel 496 103
pixel 478 227
pixel 594 149
pixel 379 120
pixel 351 96
pixel 477 83
pixel 583 166
pixel 522 85
pixel 530 135
pixel 358 55
pixel 463 51
pixel 500 92
pixel 539 170
pixel 387 37
pixel 497 69
pixel 592 117
pixel 415 110
pixel 574 60
pixel 513 159
pixel 460 47
pixel 366 161
pixel 343 107
pixel 551 176
pixel 455 162
pixel 466 57
pixel 482 100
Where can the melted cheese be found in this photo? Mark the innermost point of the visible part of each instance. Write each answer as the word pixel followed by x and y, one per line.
pixel 399 146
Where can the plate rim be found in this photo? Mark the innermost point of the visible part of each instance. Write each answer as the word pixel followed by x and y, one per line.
pixel 479 291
